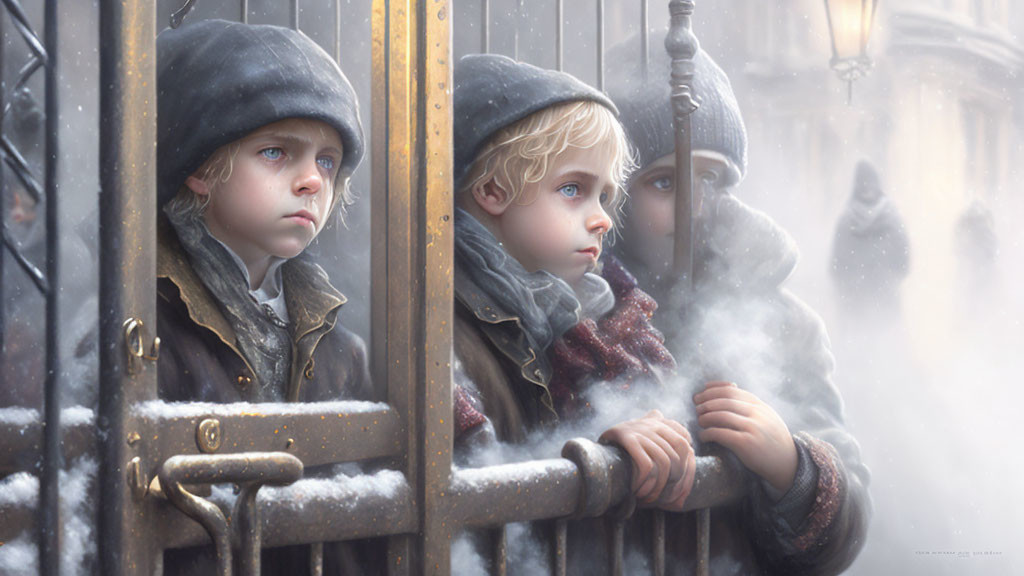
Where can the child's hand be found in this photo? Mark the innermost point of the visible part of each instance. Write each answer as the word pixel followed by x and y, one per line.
pixel 750 428
pixel 663 460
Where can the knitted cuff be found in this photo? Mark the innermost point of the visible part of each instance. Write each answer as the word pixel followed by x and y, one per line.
pixel 794 505
pixel 829 495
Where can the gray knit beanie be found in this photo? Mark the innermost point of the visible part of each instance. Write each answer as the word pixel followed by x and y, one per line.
pixel 494 91
pixel 646 111
pixel 218 81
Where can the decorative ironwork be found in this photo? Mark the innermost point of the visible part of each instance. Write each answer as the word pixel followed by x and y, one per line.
pixel 13 157
pixel 682 47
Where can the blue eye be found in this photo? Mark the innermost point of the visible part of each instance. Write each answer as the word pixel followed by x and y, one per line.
pixel 272 153
pixel 663 184
pixel 570 190
pixel 326 162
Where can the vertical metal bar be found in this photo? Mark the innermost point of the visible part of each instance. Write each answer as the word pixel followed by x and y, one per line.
pixel 617 545
pixel 559 550
pixel 704 542
pixel 337 31
pixel 682 47
pixel 316 559
pixel 485 28
pixel 393 231
pixel 127 544
pixel 499 551
pixel 3 206
pixel 515 31
pixel 295 14
pixel 49 497
pixel 559 32
pixel 645 39
pixel 245 11
pixel 600 45
pixel 379 47
pixel 247 515
pixel 659 542
pixel 435 243
pixel 412 254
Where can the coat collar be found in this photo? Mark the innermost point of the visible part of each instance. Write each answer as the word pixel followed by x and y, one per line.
pixel 505 331
pixel 172 263
pixel 311 299
pixel 309 295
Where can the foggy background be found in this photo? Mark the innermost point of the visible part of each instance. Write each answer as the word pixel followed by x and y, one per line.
pixel 931 383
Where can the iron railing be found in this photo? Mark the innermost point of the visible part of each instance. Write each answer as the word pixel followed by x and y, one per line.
pixel 152 453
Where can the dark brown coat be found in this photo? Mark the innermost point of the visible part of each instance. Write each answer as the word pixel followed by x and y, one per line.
pixel 495 356
pixel 199 356
pixel 200 361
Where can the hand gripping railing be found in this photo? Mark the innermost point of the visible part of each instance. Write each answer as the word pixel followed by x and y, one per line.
pixel 589 480
pixel 250 470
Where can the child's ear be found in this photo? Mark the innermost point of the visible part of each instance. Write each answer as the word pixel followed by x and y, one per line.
pixel 491 197
pixel 197 185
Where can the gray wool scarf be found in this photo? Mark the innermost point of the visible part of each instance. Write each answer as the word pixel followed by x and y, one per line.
pixel 546 305
pixel 262 337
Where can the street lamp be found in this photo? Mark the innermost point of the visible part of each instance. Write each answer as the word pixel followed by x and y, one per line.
pixel 849 26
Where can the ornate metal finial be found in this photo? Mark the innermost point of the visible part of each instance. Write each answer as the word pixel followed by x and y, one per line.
pixel 682 47
pixel 178 17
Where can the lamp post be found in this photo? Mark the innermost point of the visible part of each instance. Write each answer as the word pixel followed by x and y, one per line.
pixel 849 27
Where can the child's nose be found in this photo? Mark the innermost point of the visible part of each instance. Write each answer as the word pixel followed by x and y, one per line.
pixel 599 222
pixel 309 180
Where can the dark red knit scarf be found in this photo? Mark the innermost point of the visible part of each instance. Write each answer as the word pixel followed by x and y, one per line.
pixel 620 347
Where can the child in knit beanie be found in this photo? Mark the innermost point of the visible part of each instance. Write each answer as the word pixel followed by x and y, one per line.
pixel 758 359
pixel 539 159
pixel 258 135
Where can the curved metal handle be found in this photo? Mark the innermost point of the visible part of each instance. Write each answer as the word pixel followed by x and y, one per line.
pixel 134 346
pixel 251 470
pixel 180 13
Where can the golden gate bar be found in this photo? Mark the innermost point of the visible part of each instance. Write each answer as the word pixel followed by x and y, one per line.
pixel 150 458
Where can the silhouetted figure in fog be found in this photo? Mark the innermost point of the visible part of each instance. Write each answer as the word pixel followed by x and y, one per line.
pixel 976 243
pixel 870 253
pixel 976 247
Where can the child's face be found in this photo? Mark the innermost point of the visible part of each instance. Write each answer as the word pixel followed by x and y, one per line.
pixel 279 193
pixel 650 228
pixel 559 222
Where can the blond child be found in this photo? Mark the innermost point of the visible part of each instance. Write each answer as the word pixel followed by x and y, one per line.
pixel 539 161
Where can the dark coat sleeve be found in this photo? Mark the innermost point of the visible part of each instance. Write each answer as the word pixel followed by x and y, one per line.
pixel 832 533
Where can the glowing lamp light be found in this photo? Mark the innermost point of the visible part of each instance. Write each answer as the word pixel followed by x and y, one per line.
pixel 849 26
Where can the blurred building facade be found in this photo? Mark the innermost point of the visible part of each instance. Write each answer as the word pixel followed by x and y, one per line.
pixel 936 115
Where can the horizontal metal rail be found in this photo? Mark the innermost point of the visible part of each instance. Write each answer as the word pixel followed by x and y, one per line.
pixel 22 433
pixel 319 510
pixel 322 433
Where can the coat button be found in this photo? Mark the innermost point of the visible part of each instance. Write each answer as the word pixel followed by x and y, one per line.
pixel 244 380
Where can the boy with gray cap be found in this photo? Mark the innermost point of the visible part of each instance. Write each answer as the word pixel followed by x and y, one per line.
pixel 807 512
pixel 258 135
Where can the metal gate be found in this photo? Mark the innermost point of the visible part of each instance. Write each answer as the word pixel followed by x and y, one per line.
pixel 157 461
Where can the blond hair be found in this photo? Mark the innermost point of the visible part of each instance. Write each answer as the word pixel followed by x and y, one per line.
pixel 217 170
pixel 521 153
